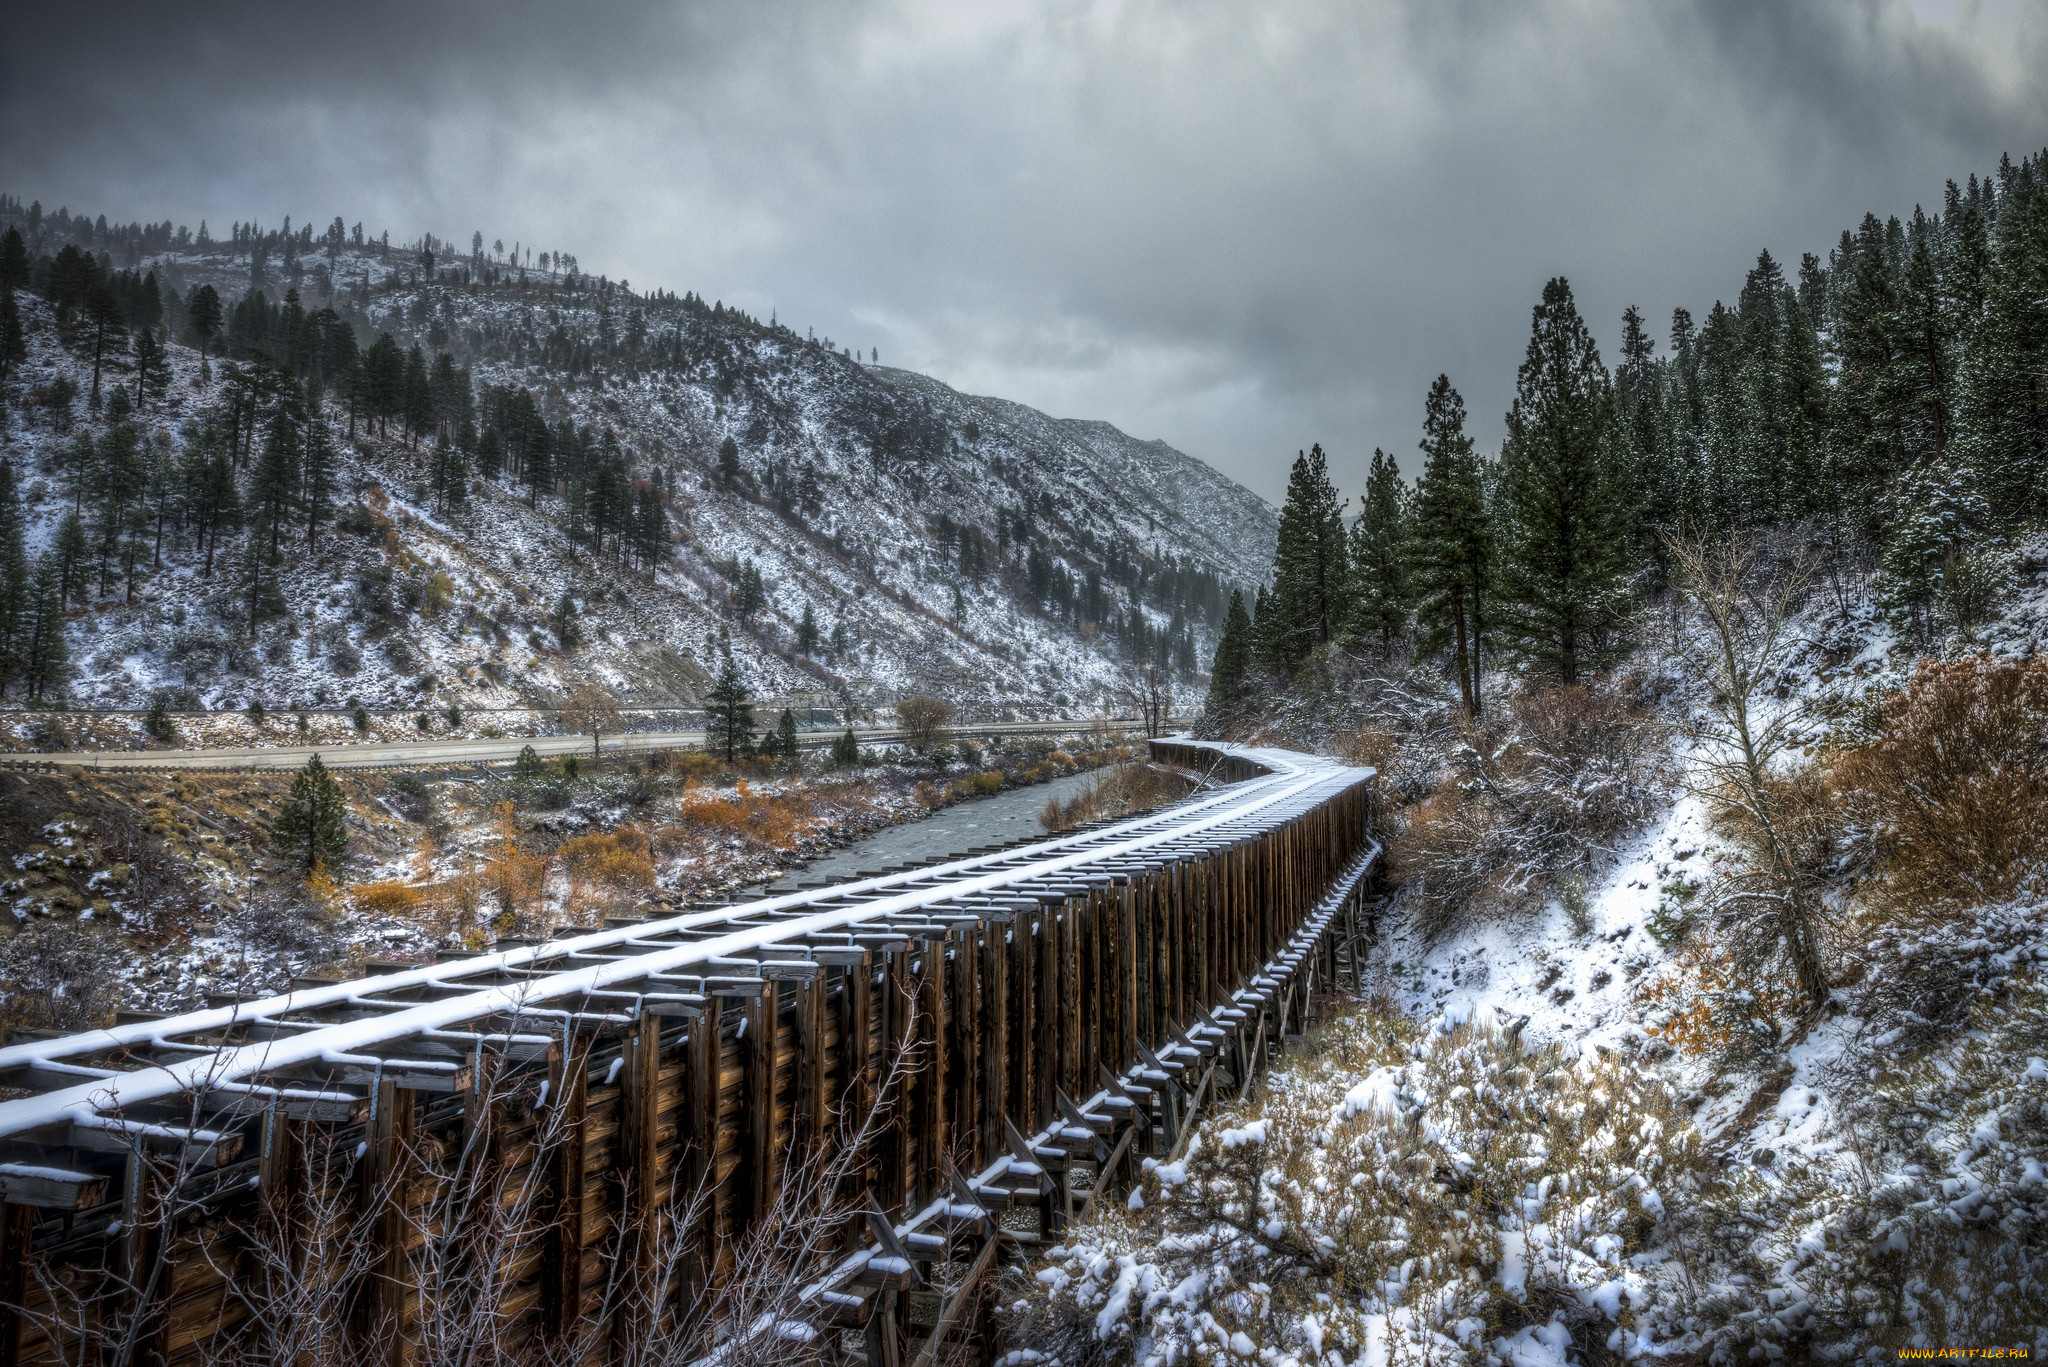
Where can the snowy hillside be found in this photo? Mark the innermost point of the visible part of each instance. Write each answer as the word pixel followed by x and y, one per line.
pixel 936 541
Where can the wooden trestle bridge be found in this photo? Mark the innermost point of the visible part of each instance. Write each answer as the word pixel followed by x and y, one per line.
pixel 978 1045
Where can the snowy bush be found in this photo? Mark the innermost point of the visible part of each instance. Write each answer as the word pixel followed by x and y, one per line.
pixel 1532 797
pixel 1927 1228
pixel 1431 1194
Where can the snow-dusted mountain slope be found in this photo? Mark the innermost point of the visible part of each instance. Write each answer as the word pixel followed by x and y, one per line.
pixel 939 541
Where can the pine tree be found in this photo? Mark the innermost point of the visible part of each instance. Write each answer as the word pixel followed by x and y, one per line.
pixel 14 270
pixel 846 750
pixel 13 349
pixel 1230 670
pixel 784 739
pixel 1380 597
pixel 728 715
pixel 729 460
pixel 567 622
pixel 316 470
pixel 1562 518
pixel 274 483
pixel 256 583
pixel 16 602
pixel 807 631
pixel 46 661
pixel 1309 569
pixel 202 313
pixel 311 830
pixel 109 325
pixel 152 370
pixel 1452 543
pixel 72 558
pixel 2003 402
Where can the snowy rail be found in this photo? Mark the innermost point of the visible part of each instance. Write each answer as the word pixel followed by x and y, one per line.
pixel 1019 1013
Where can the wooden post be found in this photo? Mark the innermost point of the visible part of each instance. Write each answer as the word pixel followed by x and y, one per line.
pixel 561 1287
pixel 641 1214
pixel 17 1231
pixel 994 1061
pixel 762 1017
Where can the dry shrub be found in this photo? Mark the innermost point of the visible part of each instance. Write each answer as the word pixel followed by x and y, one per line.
pixel 1953 787
pixel 513 877
pixel 1401 1190
pixel 1924 1230
pixel 389 897
pixel 59 975
pixel 1707 1006
pixel 775 821
pixel 619 859
pixel 1122 789
pixel 1530 799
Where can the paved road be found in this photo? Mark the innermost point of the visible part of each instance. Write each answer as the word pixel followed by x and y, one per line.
pixel 452 753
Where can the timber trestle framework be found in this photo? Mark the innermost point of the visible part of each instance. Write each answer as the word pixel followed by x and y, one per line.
pixel 1002 1023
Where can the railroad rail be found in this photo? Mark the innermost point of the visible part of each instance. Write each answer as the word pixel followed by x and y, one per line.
pixel 976 1045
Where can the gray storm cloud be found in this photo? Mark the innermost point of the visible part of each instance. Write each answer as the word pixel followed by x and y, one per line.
pixel 1240 228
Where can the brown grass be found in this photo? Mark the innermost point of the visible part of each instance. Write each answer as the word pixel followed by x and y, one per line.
pixel 388 897
pixel 620 859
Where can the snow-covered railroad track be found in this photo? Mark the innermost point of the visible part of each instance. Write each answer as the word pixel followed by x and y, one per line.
pixel 973 1004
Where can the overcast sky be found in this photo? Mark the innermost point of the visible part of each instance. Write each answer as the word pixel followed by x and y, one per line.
pixel 1239 227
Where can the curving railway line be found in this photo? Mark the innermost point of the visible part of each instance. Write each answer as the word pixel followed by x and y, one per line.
pixel 969 1049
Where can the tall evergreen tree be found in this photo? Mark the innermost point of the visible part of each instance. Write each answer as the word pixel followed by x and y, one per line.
pixel 14 268
pixel 2003 400
pixel 1452 543
pixel 1310 563
pixel 1380 594
pixel 316 469
pixel 202 314
pixel 1562 518
pixel 1230 670
pixel 72 557
pixel 46 660
pixel 16 589
pixel 274 483
pixel 311 829
pixel 13 348
pixel 728 715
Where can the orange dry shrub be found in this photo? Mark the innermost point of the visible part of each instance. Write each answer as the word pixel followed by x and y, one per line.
pixel 1954 783
pixel 1705 1006
pixel 388 897
pixel 513 878
pixel 776 820
pixel 619 860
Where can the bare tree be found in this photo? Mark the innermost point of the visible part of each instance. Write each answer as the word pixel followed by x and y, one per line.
pixel 924 722
pixel 1742 599
pixel 590 708
pixel 1148 690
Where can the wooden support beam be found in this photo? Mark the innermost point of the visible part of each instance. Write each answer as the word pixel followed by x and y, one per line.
pixel 762 1018
pixel 17 1230
pixel 561 1267
pixel 641 1215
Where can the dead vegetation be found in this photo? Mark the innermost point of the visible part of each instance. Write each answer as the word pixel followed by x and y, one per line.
pixel 1123 789
pixel 1524 800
